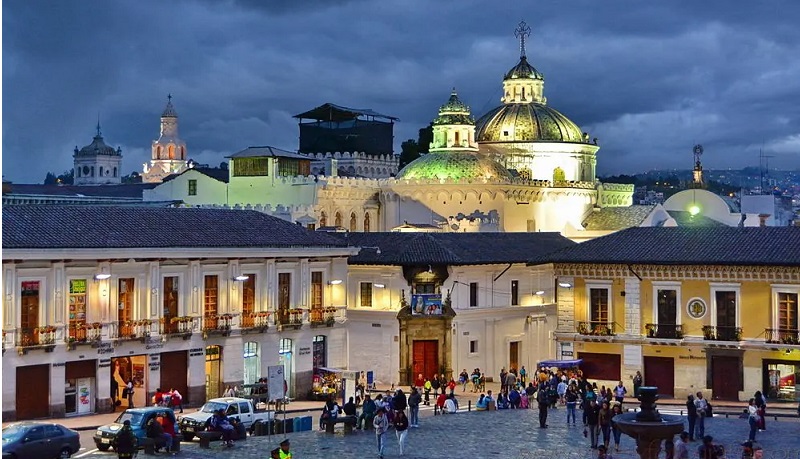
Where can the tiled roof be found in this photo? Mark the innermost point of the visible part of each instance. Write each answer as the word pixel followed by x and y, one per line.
pixel 216 173
pixel 128 190
pixel 451 248
pixel 616 218
pixel 684 218
pixel 775 246
pixel 257 152
pixel 93 227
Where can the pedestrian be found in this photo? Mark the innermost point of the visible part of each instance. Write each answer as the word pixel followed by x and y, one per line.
pixel 367 413
pixel 604 421
pixel 752 419
pixel 619 393
pixel 637 383
pixel 571 398
pixel 708 450
pixel 617 433
pixel 691 413
pixel 401 429
pixel 702 406
pixel 284 452
pixel 427 386
pixel 451 386
pixel 523 375
pixel 399 401
pixel 543 401
pixel 420 380
pixel 176 399
pixel 463 378
pixel 436 384
pixel 381 425
pixel 125 443
pixel 591 422
pixel 129 387
pixel 413 407
pixel 503 379
pixel 681 449
pixel 761 405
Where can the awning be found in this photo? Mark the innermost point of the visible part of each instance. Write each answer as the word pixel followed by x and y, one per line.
pixel 330 370
pixel 559 363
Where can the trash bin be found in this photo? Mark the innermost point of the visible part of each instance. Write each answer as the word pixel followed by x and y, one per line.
pixel 288 426
pixel 306 424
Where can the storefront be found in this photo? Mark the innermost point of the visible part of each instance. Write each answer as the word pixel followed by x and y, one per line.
pixel 782 380
pixel 79 387
pixel 213 372
pixel 133 368
pixel 285 359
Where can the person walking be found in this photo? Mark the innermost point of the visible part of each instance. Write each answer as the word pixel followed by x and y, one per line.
pixel 752 419
pixel 617 433
pixel 571 398
pixel 523 375
pixel 427 387
pixel 591 422
pixel 637 383
pixel 129 387
pixel 401 429
pixel 681 449
pixel 413 407
pixel 543 401
pixel 463 378
pixel 619 393
pixel 177 399
pixel 691 415
pixel 604 421
pixel 761 405
pixel 701 405
pixel 381 425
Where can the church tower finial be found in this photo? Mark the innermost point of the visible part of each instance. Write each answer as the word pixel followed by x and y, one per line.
pixel 522 32
pixel 98 125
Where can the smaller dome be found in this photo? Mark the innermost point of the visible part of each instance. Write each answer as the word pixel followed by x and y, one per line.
pixel 453 166
pixel 169 110
pixel 523 70
pixel 454 111
pixel 98 147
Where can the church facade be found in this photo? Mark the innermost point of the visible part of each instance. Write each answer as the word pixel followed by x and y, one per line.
pixel 168 151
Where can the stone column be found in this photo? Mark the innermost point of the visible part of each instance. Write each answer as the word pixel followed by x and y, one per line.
pixel 566 306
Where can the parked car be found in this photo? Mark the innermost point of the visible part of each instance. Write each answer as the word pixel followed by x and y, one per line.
pixel 240 409
pixel 139 417
pixel 46 440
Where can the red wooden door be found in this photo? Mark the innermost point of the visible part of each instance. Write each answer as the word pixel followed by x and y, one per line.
pixel 660 372
pixel 426 358
pixel 33 392
pixel 726 378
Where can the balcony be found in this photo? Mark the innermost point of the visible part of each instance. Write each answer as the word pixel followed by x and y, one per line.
pixel 84 333
pixel 664 331
pixel 133 329
pixel 292 318
pixel 182 326
pixel 258 321
pixel 782 336
pixel 219 324
pixel 596 328
pixel 36 338
pixel 722 333
pixel 322 316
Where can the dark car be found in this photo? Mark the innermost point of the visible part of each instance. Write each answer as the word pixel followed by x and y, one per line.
pixel 39 439
pixel 139 417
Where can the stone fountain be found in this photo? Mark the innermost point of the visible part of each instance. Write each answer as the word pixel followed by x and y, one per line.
pixel 648 427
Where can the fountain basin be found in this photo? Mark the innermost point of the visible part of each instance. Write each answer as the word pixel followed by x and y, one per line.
pixel 648 427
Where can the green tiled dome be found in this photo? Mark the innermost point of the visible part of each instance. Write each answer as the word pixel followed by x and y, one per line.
pixel 530 122
pixel 453 166
pixel 523 70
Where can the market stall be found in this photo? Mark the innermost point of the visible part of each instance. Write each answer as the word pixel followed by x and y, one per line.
pixel 327 383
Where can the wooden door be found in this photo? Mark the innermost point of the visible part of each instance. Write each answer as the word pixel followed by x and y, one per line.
pixel 726 316
pixel 125 306
pixel 29 316
pixel 660 372
pixel 426 358
pixel 174 367
pixel 33 392
pixel 513 355
pixel 726 377
pixel 170 303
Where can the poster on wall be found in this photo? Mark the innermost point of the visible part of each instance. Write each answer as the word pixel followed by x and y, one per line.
pixel 275 381
pixel 138 375
pixel 84 395
pixel 426 304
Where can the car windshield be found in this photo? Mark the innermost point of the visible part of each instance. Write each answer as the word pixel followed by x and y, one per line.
pixel 211 407
pixel 135 418
pixel 12 433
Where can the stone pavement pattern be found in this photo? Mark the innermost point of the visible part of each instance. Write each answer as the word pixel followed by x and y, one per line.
pixel 506 434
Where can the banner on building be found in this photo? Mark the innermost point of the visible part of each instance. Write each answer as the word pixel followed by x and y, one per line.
pixel 426 304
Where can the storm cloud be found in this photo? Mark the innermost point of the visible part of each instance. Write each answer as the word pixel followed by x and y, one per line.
pixel 649 79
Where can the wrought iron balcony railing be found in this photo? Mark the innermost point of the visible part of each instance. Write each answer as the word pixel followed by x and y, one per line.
pixel 722 333
pixel 83 333
pixel 596 328
pixel 666 331
pixel 782 336
pixel 133 329
pixel 36 336
pixel 183 325
pixel 252 320
pixel 292 317
pixel 217 323
pixel 322 316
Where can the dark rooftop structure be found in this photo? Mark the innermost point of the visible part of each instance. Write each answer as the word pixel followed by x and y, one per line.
pixel 93 227
pixel 216 173
pixel 332 128
pixel 760 246
pixel 398 248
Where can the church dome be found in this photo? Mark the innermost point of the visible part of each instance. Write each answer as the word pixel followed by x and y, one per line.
pixel 454 111
pixel 531 122
pixel 169 110
pixel 523 70
pixel 98 147
pixel 453 166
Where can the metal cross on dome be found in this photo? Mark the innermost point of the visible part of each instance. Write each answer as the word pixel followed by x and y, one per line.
pixel 522 32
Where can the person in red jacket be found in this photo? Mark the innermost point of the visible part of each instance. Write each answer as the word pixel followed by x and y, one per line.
pixel 452 385
pixel 440 400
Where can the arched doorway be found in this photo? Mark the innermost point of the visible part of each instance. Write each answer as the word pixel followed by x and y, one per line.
pixel 213 372
pixel 252 363
pixel 285 359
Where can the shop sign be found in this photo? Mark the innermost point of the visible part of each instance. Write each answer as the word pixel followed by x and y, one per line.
pixel 154 346
pixel 105 348
pixel 154 366
pixel 305 351
pixel 566 353
pixel 197 352
pixel 104 363
pixel 59 364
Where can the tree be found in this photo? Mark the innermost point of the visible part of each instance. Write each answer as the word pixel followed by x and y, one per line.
pixel 425 138
pixel 410 152
pixel 50 179
pixel 66 178
pixel 133 177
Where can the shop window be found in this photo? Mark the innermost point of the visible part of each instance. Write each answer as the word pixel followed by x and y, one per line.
pixel 252 363
pixel 77 309
pixel 514 293
pixel 473 294
pixel 366 294
pixel 192 187
pixel 781 380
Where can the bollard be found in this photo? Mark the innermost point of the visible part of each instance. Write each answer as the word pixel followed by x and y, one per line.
pixel 469 405
pixel 435 409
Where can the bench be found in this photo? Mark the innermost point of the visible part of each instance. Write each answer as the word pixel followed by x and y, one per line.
pixel 348 421
pixel 206 438
pixel 149 444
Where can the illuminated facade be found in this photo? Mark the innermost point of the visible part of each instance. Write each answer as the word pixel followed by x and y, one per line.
pixel 169 151
pixel 97 163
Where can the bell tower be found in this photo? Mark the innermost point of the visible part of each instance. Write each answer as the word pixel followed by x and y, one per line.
pixel 454 128
pixel 168 153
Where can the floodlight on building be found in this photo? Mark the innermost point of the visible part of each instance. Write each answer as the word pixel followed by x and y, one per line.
pixel 335 282
pixel 540 292
pixel 380 285
pixel 565 285
pixel 241 277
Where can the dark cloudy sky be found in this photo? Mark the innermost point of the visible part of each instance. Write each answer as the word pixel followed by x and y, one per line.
pixel 649 79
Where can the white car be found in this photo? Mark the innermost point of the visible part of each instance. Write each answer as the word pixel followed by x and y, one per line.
pixel 241 409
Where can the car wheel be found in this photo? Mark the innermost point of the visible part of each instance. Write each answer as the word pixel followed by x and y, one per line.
pixel 103 447
pixel 188 437
pixel 65 453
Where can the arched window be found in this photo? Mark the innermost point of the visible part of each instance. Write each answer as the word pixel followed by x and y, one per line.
pixel 158 152
pixel 252 363
pixel 338 219
pixel 172 152
pixel 353 222
pixel 101 171
pixel 323 219
pixel 115 172
pixel 366 222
